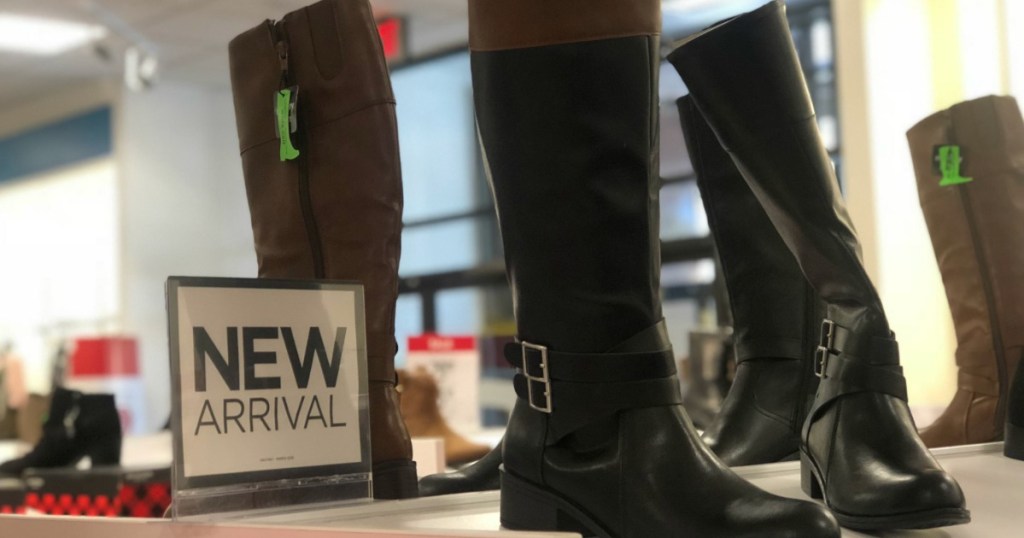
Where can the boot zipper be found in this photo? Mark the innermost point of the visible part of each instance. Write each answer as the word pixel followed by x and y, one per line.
pixel 997 335
pixel 280 36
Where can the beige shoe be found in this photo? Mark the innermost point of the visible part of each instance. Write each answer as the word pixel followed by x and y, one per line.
pixel 423 417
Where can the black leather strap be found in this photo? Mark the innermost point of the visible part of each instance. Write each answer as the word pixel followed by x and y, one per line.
pixel 874 349
pixel 872 365
pixel 591 367
pixel 574 405
pixel 575 389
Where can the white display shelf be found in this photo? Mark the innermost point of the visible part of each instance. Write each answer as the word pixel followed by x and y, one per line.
pixel 993 484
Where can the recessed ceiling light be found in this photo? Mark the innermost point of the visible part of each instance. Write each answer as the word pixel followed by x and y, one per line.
pixel 43 36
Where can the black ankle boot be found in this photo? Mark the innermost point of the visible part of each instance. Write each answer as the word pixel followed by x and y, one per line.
pixel 776 314
pixel 859 446
pixel 79 425
pixel 598 441
pixel 1014 445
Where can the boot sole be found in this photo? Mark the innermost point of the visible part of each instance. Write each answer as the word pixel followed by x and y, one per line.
pixel 395 480
pixel 528 507
pixel 811 484
pixel 1013 446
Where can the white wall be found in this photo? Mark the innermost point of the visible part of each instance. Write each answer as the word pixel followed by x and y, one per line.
pixel 58 267
pixel 58 239
pixel 184 211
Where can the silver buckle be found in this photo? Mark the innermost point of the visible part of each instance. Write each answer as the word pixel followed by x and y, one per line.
pixel 824 350
pixel 821 355
pixel 545 378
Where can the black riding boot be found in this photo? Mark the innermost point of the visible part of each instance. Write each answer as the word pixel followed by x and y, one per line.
pixel 566 101
pixel 776 314
pixel 859 447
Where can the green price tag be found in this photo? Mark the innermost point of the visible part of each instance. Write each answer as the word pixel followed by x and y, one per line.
pixel 285 107
pixel 947 162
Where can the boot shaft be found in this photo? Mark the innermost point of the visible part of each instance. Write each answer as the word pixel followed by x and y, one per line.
pixel 745 78
pixel 775 312
pixel 569 135
pixel 334 211
pixel 973 204
pixel 975 226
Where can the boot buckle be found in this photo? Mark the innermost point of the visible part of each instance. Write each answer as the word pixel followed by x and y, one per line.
pixel 824 350
pixel 541 379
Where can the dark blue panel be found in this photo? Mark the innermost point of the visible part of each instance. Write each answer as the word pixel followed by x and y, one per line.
pixel 58 144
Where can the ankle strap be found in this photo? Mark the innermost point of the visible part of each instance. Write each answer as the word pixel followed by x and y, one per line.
pixel 575 389
pixel 849 364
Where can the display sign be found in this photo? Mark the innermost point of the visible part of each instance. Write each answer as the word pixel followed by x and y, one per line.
pixel 269 387
pixel 454 361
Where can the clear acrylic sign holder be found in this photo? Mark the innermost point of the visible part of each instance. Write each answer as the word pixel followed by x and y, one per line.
pixel 270 406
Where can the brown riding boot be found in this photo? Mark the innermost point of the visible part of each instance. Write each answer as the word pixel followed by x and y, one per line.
pixel 331 207
pixel 423 417
pixel 973 203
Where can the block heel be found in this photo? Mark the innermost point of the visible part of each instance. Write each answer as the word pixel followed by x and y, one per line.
pixel 527 507
pixel 1013 446
pixel 395 480
pixel 809 482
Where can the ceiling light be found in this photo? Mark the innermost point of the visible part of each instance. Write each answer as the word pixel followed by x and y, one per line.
pixel 42 36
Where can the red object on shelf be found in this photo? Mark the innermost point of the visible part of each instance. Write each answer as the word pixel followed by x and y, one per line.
pixel 392 37
pixel 104 357
pixel 436 342
pixel 102 492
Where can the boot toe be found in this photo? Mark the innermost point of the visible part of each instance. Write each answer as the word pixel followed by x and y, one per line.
pixel 933 490
pixel 779 517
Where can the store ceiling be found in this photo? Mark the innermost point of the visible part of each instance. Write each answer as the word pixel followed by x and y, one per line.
pixel 190 35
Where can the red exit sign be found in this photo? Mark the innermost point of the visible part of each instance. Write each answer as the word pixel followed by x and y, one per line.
pixel 392 36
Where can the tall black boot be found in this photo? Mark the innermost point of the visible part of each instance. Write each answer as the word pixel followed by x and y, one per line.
pixel 776 314
pixel 859 447
pixel 566 101
pixel 78 426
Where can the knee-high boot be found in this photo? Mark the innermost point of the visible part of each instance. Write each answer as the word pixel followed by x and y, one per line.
pixel 566 101
pixel 976 232
pixel 776 314
pixel 334 210
pixel 859 447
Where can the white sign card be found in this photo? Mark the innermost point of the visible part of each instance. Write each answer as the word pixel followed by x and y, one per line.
pixel 269 382
pixel 454 362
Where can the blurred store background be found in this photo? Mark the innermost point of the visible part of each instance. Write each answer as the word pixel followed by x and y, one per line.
pixel 119 167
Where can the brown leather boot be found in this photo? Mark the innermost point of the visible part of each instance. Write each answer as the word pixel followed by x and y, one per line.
pixel 975 221
pixel 423 417
pixel 334 211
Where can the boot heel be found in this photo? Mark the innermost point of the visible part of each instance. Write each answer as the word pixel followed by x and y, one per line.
pixel 525 507
pixel 105 453
pixel 808 482
pixel 1013 446
pixel 395 480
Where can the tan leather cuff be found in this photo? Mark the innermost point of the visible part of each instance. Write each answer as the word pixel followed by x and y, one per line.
pixel 992 131
pixel 514 24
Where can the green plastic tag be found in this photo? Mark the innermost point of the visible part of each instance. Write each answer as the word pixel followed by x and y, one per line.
pixel 948 160
pixel 285 110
